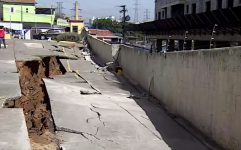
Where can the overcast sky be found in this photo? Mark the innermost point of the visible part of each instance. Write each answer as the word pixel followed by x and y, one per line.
pixel 103 8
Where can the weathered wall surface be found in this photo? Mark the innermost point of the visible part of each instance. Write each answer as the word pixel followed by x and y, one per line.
pixel 204 87
pixel 107 52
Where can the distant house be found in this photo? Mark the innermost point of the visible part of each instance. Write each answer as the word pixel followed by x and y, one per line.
pixel 76 26
pixel 99 32
pixel 105 35
pixel 26 12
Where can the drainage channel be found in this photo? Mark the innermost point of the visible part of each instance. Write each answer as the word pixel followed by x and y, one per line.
pixel 35 101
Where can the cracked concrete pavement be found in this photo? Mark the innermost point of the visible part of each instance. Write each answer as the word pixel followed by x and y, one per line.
pixel 119 117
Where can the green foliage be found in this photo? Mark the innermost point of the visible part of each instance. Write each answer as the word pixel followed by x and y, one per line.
pixel 72 37
pixel 114 26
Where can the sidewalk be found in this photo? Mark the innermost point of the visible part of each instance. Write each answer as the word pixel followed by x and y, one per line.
pixel 13 131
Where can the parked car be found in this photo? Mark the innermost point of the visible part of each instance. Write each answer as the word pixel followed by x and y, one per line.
pixel 50 33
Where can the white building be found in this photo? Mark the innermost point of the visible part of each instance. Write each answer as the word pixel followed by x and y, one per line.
pixel 172 8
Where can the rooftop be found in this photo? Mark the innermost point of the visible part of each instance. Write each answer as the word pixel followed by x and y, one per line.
pixel 20 1
pixel 99 32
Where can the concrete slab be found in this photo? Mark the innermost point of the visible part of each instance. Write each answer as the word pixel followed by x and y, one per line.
pixel 80 65
pixel 8 66
pixel 13 130
pixel 7 54
pixel 34 45
pixel 9 86
pixel 107 83
pixel 111 122
pixel 69 78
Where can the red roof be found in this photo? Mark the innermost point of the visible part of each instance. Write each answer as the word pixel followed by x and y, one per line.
pixel 99 32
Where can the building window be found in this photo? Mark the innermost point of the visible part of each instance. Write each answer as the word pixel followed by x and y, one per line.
pixel 230 3
pixel 187 9
pixel 26 10
pixel 220 4
pixel 208 6
pixel 159 15
pixel 163 14
pixel 239 1
pixel 12 9
pixel 75 29
pixel 194 8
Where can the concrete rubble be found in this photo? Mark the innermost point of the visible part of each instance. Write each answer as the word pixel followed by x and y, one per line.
pixel 91 108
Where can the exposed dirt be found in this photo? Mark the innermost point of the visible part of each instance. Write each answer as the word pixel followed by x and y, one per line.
pixel 35 101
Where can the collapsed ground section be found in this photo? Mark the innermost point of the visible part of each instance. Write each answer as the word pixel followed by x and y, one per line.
pixel 35 101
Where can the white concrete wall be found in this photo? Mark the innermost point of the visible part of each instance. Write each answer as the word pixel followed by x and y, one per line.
pixel 204 87
pixel 107 52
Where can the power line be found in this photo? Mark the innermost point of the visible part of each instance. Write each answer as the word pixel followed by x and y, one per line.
pixel 59 11
pixel 124 19
pixel 136 15
pixel 146 15
pixel 76 11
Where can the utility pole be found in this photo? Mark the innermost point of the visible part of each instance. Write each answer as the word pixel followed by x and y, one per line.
pixel 60 9
pixel 136 16
pixel 147 15
pixel 123 11
pixel 76 10
pixel 51 16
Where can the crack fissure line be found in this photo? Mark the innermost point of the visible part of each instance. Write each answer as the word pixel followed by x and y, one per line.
pixel 140 122
pixel 62 129
pixel 98 114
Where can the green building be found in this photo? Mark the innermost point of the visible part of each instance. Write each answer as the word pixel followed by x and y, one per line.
pixel 25 11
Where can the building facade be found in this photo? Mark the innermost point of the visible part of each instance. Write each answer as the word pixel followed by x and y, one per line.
pixel 171 8
pixel 25 11
pixel 76 26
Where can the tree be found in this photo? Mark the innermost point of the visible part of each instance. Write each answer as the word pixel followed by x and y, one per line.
pixel 108 24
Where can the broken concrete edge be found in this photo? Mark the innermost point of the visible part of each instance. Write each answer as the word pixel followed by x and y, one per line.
pixel 91 84
pixel 58 57
pixel 22 141
pixel 24 128
pixel 9 102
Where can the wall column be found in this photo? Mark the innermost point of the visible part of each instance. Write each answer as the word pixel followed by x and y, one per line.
pixel 171 45
pixel 159 45
pixel 180 45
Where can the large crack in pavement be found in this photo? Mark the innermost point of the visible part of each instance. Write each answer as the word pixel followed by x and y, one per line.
pixel 83 134
pixel 35 101
pixel 98 114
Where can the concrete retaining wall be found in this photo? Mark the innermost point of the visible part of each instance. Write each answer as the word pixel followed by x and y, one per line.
pixel 107 52
pixel 203 87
